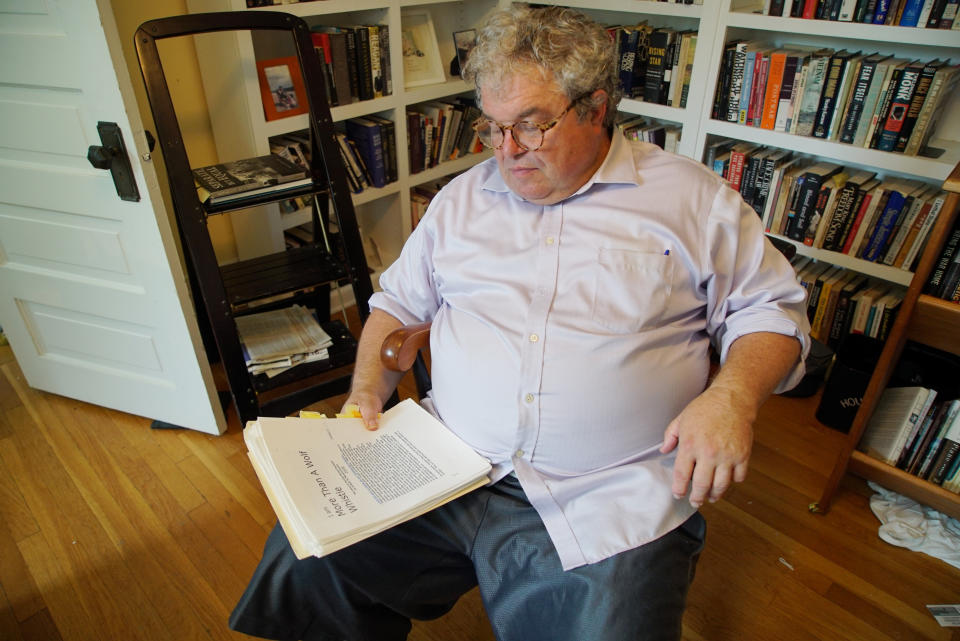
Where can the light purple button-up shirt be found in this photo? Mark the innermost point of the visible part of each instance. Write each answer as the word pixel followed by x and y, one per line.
pixel 566 337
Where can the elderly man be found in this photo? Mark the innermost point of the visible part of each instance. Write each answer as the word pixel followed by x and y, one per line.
pixel 575 283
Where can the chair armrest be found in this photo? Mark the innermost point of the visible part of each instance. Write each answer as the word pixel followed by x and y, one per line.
pixel 399 348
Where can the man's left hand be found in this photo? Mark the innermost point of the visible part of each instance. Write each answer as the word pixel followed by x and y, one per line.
pixel 713 436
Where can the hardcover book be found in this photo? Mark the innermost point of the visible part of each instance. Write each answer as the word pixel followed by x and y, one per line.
pixel 248 177
pixel 899 105
pixel 898 410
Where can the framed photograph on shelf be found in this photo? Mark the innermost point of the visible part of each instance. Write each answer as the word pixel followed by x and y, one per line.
pixel 281 87
pixel 421 55
pixel 463 42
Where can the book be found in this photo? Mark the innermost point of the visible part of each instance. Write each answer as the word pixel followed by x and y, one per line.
pixel 898 202
pixel 788 88
pixel 916 103
pixel 248 177
pixel 842 313
pixel 898 410
pixel 806 116
pixel 882 109
pixel 949 451
pixel 825 208
pixel 814 178
pixel 844 93
pixel 334 43
pixel 367 136
pixel 771 96
pixel 859 98
pixel 899 105
pixel 941 87
pixel 881 78
pixel 934 282
pixel 924 223
pixel 332 483
pixel 924 441
pixel 830 94
pixel 841 218
pixel 906 225
pixel 925 464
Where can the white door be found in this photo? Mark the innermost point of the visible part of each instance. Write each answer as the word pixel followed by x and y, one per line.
pixel 92 295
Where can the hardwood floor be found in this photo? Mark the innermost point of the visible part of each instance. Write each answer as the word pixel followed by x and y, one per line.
pixel 112 531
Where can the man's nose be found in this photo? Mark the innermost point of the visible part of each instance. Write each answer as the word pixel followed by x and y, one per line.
pixel 510 145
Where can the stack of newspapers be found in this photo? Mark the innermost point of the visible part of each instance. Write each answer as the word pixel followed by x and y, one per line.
pixel 332 482
pixel 277 340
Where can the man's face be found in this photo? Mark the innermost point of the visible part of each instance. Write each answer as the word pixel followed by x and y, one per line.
pixel 571 151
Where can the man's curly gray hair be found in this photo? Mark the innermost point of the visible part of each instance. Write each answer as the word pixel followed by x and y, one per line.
pixel 566 45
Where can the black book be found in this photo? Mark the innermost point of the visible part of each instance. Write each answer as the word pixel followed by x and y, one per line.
pixel 722 97
pixel 936 12
pixel 935 279
pixel 829 96
pixel 248 177
pixel 656 66
pixel 868 67
pixel 364 64
pixel 776 8
pixel 813 180
pixel 389 136
pixel 917 102
pixel 883 105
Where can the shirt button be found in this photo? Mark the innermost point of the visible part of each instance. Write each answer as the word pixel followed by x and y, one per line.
pixel 534 338
pixel 519 453
pixel 528 398
pixel 550 240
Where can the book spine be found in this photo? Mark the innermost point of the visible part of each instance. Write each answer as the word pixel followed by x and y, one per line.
pixel 857 100
pixel 828 97
pixel 771 96
pixel 898 109
pixel 807 115
pixel 917 101
pixel 884 226
pixel 879 119
pixel 807 202
pixel 842 213
pixel 736 82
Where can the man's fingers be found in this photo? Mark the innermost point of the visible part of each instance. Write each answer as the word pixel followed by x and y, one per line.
pixel 682 471
pixel 721 483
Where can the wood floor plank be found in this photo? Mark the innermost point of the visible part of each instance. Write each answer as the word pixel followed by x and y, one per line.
pixel 234 516
pixel 19 589
pixel 240 487
pixel 78 538
pixel 13 508
pixel 148 444
pixel 40 627
pixel 58 589
pixel 9 626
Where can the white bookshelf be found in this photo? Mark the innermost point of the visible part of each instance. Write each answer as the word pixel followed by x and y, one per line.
pixel 240 129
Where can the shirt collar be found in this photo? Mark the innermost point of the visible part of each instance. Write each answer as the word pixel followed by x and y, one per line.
pixel 618 167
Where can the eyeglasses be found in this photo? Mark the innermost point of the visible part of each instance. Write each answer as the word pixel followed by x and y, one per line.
pixel 527 135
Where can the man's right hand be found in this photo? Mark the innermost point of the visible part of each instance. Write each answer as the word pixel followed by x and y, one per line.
pixel 369 406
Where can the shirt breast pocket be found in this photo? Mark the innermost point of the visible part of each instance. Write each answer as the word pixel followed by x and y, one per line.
pixel 631 289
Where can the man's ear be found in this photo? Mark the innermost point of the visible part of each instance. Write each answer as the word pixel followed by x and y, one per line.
pixel 599 112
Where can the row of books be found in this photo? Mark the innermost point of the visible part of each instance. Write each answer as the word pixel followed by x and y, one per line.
pixel 421 195
pixel 441 130
pixel 828 206
pixel 874 100
pixel 665 136
pixel 917 431
pixel 655 64
pixel 842 301
pixel 944 279
pixel 355 61
pixel 929 14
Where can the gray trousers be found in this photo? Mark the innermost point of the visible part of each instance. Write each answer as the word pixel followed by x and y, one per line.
pixel 492 537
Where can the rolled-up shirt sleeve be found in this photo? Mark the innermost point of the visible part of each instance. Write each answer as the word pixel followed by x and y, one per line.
pixel 752 286
pixel 408 290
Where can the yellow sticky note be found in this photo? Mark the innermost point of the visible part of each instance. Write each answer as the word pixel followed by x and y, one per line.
pixel 350 411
